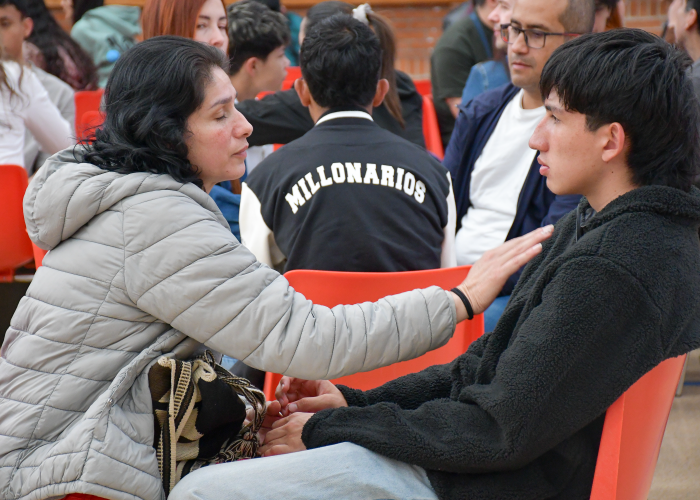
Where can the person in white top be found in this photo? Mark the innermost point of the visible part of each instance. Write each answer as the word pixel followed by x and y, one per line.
pixel 15 27
pixel 499 191
pixel 25 104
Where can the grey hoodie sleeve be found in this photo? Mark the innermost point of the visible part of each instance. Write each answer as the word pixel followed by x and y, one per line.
pixel 191 273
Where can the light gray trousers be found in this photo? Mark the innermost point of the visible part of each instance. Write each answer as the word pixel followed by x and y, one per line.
pixel 343 470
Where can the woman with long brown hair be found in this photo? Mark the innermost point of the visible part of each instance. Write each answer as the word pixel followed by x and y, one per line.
pixel 199 20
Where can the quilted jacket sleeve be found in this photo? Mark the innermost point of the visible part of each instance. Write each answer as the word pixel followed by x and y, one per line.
pixel 190 272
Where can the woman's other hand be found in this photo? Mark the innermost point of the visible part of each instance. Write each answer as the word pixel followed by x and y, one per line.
pixel 272 415
pixel 285 436
pixel 299 395
pixel 490 273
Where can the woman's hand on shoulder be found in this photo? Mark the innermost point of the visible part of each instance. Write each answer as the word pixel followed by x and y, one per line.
pixel 308 396
pixel 490 273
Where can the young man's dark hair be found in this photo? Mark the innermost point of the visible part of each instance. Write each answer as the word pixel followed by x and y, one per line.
pixel 586 73
pixel 341 62
pixel 20 5
pixel 254 30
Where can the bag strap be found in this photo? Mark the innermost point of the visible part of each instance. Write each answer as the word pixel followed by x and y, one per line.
pixel 482 34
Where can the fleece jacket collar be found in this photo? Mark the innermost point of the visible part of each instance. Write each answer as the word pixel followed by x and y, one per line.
pixel 661 200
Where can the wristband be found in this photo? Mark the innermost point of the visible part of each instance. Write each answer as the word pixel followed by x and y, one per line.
pixel 465 301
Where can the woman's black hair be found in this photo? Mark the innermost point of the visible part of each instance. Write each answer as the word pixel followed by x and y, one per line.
pixel 631 77
pixel 80 7
pixel 153 89
pixel 52 40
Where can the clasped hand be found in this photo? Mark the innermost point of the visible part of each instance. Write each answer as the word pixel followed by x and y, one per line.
pixel 297 401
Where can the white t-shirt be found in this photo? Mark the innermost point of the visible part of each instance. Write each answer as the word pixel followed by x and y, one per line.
pixel 28 108
pixel 496 181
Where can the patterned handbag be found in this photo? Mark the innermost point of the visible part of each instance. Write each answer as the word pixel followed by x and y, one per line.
pixel 199 416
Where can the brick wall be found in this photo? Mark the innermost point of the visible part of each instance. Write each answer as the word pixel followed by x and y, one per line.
pixel 419 26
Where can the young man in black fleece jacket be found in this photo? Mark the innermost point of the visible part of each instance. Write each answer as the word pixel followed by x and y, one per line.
pixel 613 293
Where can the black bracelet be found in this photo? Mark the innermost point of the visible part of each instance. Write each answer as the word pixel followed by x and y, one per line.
pixel 465 301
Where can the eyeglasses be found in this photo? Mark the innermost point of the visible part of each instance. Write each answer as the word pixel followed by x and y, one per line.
pixel 535 39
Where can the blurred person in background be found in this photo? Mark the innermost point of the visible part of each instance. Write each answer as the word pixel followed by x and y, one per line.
pixel 53 50
pixel 15 27
pixel 258 39
pixel 199 20
pixel 683 20
pixel 294 22
pixel 465 43
pixel 281 118
pixel 103 31
pixel 493 73
pixel 609 14
pixel 25 104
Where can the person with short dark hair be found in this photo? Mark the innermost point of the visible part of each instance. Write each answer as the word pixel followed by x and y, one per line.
pixel 348 196
pixel 258 37
pixel 465 43
pixel 612 295
pixel 499 191
pixel 294 23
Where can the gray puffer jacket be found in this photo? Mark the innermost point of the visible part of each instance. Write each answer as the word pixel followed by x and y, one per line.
pixel 142 266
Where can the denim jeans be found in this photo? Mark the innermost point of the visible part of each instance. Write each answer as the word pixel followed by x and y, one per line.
pixel 494 313
pixel 343 470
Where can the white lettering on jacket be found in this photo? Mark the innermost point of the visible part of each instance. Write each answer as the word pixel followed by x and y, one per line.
pixel 350 172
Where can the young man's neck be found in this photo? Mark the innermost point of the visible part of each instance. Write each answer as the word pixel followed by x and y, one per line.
pixel 244 86
pixel 317 111
pixel 616 183
pixel 692 44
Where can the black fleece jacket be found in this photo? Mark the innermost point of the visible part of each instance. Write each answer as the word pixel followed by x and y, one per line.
pixel 520 414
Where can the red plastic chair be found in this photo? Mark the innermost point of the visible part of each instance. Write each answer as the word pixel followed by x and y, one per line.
pixel 332 288
pixel 86 100
pixel 424 87
pixel 293 73
pixel 15 246
pixel 632 434
pixel 431 129
pixel 81 496
pixel 87 123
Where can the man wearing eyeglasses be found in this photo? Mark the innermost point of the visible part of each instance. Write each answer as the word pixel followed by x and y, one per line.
pixel 499 191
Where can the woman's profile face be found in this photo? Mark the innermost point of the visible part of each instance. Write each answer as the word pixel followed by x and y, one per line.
pixel 217 132
pixel 211 25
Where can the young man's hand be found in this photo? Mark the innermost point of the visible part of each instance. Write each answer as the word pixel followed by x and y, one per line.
pixel 285 436
pixel 308 396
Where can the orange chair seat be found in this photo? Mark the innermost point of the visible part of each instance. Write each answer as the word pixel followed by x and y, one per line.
pixel 333 288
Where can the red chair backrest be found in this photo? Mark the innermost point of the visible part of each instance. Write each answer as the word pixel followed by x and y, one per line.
pixel 293 73
pixel 15 246
pixel 431 129
pixel 424 87
pixel 86 100
pixel 632 434
pixel 332 288
pixel 81 496
pixel 87 123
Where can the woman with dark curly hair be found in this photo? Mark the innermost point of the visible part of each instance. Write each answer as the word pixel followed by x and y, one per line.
pixel 142 264
pixel 50 48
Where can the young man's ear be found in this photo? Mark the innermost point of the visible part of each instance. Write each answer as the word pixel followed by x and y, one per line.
pixel 691 20
pixel 303 92
pixel 250 65
pixel 382 89
pixel 28 26
pixel 616 143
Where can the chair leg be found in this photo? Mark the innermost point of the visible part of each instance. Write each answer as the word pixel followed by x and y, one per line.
pixel 679 389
